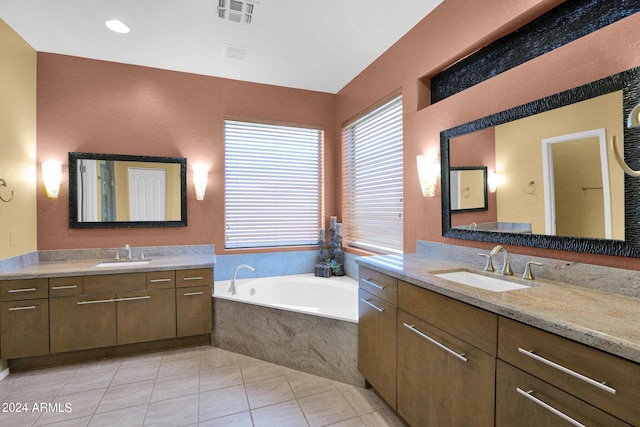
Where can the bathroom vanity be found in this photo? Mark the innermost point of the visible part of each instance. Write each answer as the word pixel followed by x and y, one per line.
pixel 445 353
pixel 54 310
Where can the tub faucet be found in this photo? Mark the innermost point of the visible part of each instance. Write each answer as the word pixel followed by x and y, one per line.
pixel 232 288
pixel 506 265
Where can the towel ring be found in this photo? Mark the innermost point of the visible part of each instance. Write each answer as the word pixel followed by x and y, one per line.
pixel 3 183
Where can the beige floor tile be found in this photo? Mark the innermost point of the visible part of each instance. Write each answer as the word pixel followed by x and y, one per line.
pixel 125 417
pixel 37 388
pixel 283 414
pixel 178 366
pixel 130 373
pixel 216 357
pixel 268 392
pixel 127 395
pixel 20 413
pixel 304 384
pixel 176 386
pixel 362 400
pixel 382 418
pixel 257 370
pixel 89 380
pixel 173 412
pixel 326 408
pixel 242 419
pixel 222 402
pixel 353 422
pixel 139 359
pixel 72 406
pixel 225 376
pixel 76 422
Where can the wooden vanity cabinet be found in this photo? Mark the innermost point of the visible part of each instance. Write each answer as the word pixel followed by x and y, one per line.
pixel 24 318
pixel 377 297
pixel 194 314
pixel 446 360
pixel 566 368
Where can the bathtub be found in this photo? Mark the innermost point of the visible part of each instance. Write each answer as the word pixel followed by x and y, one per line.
pixel 300 321
pixel 335 297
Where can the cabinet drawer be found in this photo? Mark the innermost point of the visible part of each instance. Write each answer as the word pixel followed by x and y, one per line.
pixel 196 277
pixel 107 283
pixel 601 379
pixel 161 279
pixel 523 400
pixel 24 327
pixel 193 311
pixel 15 290
pixel 380 285
pixel 471 324
pixel 65 286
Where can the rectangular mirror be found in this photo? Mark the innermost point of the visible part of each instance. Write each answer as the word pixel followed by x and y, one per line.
pixel 468 186
pixel 111 190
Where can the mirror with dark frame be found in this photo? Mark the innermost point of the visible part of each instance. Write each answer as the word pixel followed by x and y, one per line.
pixel 468 188
pixel 123 191
pixel 525 145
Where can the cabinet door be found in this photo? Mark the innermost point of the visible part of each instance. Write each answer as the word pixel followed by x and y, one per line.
pixel 82 322
pixel 450 386
pixel 193 310
pixel 523 400
pixel 24 327
pixel 146 315
pixel 377 344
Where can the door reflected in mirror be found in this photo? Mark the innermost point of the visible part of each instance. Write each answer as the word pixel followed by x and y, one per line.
pixel 126 191
pixel 468 188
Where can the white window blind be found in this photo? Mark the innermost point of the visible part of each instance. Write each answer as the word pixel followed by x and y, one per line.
pixel 373 184
pixel 273 185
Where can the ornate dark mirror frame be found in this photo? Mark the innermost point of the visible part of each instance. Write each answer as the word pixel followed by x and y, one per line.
pixel 73 191
pixel 629 83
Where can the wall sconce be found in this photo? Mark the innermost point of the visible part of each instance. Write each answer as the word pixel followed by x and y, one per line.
pixel 428 171
pixel 200 176
pixel 52 176
pixel 492 181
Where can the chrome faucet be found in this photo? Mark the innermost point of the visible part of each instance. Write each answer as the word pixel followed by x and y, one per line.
pixel 128 249
pixel 232 288
pixel 506 265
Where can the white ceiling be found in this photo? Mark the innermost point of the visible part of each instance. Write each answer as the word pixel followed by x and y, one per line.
pixel 308 44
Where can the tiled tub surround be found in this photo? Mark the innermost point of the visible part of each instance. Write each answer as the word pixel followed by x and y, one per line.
pixel 596 306
pixel 318 345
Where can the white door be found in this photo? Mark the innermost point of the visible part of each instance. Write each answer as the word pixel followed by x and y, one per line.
pixel 148 194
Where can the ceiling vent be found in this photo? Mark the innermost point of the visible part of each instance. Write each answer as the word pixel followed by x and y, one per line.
pixel 236 10
pixel 235 52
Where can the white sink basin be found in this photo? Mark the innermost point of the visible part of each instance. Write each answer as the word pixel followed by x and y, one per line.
pixel 488 283
pixel 132 263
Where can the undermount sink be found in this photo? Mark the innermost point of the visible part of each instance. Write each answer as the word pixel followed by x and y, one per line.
pixel 481 281
pixel 128 263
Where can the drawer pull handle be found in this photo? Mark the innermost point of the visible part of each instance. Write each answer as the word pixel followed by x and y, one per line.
pixel 30 307
pixel 133 298
pixel 57 288
pixel 13 291
pixel 370 304
pixel 432 341
pixel 193 278
pixel 374 284
pixel 529 395
pixel 98 301
pixel 159 280
pixel 188 294
pixel 601 386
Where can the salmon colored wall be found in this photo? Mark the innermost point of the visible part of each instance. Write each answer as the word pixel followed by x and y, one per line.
pixel 452 31
pixel 94 106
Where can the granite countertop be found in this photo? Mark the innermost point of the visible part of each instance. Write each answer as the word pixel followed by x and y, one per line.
pixel 87 267
pixel 607 321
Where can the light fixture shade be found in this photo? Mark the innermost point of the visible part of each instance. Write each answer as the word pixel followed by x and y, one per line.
pixel 52 176
pixel 117 26
pixel 200 176
pixel 428 171
pixel 492 182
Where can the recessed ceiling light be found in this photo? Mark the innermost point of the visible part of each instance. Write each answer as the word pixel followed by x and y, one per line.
pixel 117 26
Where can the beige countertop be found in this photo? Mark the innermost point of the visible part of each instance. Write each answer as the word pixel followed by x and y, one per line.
pixel 88 267
pixel 607 321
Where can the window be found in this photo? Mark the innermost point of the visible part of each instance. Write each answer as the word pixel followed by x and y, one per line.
pixel 273 185
pixel 373 179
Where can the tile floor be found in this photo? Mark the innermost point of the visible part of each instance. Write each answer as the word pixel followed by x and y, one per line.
pixel 199 386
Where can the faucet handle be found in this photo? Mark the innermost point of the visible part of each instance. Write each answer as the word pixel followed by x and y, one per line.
pixel 117 257
pixel 141 253
pixel 489 265
pixel 527 275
